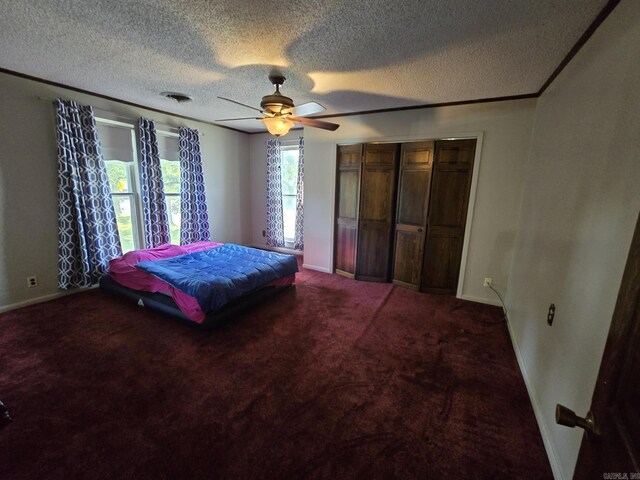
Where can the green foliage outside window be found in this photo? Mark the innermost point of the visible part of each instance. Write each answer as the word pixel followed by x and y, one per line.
pixel 119 183
pixel 289 172
pixel 122 207
pixel 117 172
pixel 118 178
pixel 170 176
pixel 171 180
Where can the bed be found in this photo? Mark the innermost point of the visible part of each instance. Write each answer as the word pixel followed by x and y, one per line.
pixel 203 284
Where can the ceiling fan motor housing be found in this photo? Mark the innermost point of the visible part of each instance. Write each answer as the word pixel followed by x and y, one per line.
pixel 276 102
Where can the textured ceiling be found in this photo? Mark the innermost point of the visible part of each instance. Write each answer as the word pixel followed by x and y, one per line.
pixel 349 55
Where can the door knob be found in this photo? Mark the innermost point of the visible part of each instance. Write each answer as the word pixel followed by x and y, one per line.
pixel 567 417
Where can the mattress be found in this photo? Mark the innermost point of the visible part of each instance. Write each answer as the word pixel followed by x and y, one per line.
pixel 196 282
pixel 123 271
pixel 164 304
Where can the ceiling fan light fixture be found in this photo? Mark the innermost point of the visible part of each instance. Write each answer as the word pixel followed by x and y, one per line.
pixel 278 125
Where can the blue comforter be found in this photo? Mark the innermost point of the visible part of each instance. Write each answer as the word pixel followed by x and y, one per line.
pixel 214 277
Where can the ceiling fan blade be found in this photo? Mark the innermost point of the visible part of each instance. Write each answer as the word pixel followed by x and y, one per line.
pixel 248 106
pixel 241 118
pixel 311 122
pixel 305 109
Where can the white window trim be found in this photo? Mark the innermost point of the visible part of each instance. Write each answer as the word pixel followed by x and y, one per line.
pixel 166 194
pixel 109 118
pixel 134 175
pixel 290 145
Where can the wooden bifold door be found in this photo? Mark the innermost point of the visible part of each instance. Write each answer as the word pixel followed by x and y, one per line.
pixel 401 212
pixel 377 200
pixel 414 185
pixel 452 172
pixel 347 207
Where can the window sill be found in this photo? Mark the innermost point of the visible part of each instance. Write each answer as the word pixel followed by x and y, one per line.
pixel 290 251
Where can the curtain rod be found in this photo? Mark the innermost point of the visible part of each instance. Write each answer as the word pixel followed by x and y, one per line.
pixel 114 116
pixel 287 142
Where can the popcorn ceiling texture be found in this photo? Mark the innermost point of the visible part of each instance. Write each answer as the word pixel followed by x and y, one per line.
pixel 349 55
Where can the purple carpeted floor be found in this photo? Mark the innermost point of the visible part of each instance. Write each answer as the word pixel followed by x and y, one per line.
pixel 332 379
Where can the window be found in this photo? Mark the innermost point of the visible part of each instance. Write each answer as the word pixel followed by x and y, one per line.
pixel 289 173
pixel 118 141
pixel 118 147
pixel 170 166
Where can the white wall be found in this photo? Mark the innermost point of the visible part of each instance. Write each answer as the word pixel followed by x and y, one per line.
pixel 506 132
pixel 579 209
pixel 28 182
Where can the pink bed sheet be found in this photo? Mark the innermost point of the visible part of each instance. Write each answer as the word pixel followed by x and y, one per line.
pixel 123 270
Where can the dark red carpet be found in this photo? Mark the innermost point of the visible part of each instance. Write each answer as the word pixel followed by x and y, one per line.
pixel 333 379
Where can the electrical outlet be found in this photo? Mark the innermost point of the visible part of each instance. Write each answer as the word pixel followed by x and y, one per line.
pixel 487 282
pixel 551 314
pixel 32 281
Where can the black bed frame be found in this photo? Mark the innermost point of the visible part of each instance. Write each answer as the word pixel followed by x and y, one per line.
pixel 164 304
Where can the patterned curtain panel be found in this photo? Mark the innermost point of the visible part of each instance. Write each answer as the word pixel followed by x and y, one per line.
pixel 298 242
pixel 275 225
pixel 194 220
pixel 154 208
pixel 88 234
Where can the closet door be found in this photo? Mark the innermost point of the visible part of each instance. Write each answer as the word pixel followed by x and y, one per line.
pixel 349 161
pixel 377 203
pixel 414 183
pixel 452 171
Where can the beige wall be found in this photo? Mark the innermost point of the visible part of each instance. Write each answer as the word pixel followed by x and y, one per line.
pixel 580 204
pixel 505 128
pixel 28 182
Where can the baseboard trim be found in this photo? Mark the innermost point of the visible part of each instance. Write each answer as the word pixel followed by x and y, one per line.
pixel 316 268
pixel 471 298
pixel 41 299
pixel 546 440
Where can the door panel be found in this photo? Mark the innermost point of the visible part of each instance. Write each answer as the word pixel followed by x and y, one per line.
pixel 411 215
pixel 381 154
pixel 349 158
pixel 349 181
pixel 414 197
pixel 377 204
pixel 452 171
pixel 456 152
pixel 346 247
pixel 373 252
pixel 615 399
pixel 409 246
pixel 349 155
pixel 417 154
pixel 442 261
pixel 377 195
pixel 450 188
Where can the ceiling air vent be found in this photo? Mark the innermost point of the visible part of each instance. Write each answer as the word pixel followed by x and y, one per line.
pixel 178 97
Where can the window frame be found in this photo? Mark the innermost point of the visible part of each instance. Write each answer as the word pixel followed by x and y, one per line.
pixel 167 133
pixel 133 170
pixel 133 176
pixel 289 242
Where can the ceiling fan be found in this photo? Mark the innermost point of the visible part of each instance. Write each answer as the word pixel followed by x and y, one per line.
pixel 280 113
